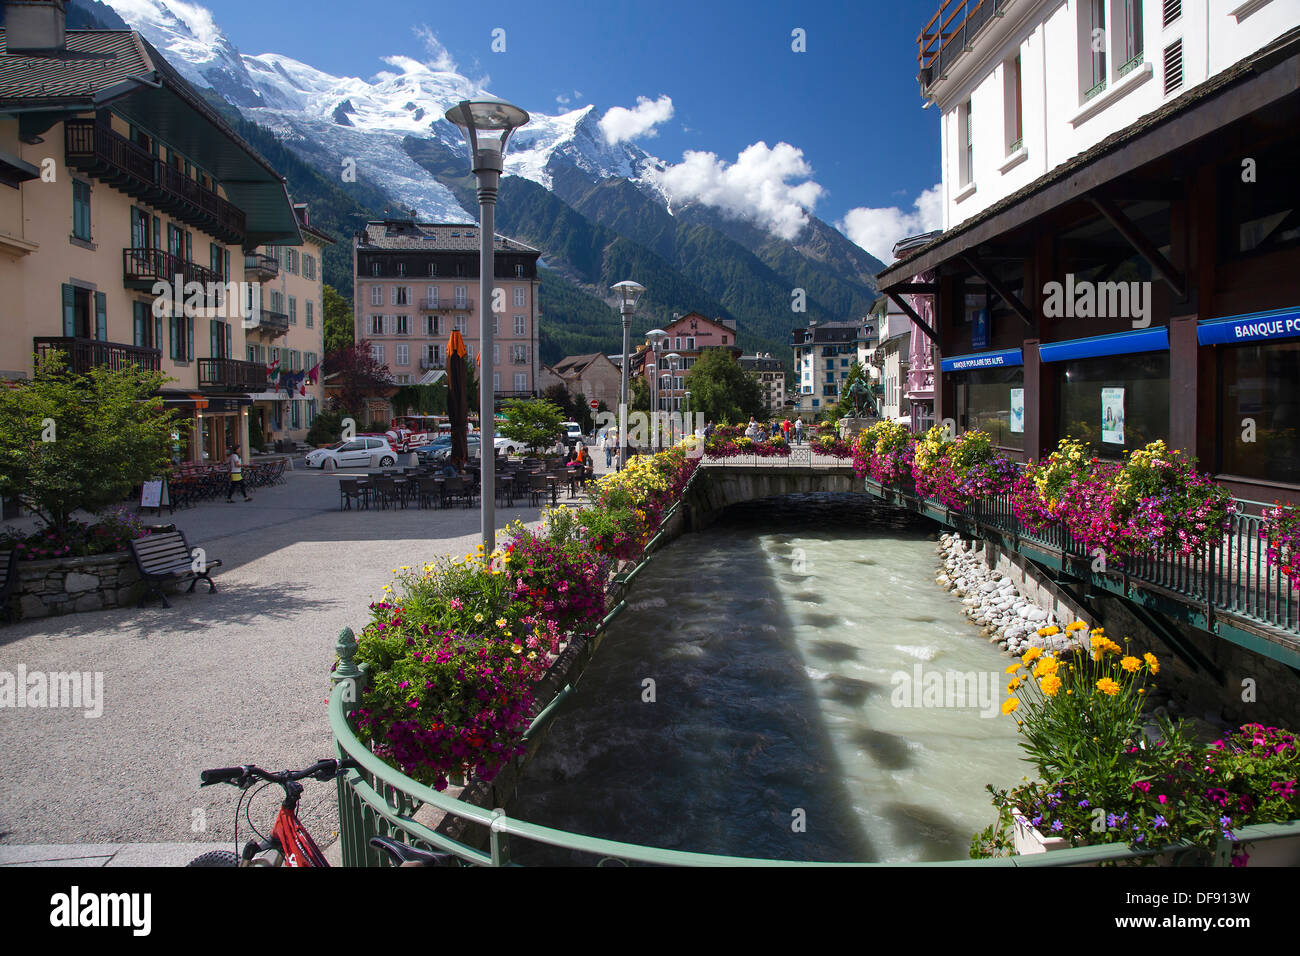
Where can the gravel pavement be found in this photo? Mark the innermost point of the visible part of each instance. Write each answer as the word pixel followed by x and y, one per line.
pixel 240 676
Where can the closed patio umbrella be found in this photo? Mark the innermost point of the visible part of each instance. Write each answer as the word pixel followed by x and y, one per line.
pixel 457 399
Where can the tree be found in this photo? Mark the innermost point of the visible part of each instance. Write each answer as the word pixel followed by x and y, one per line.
pixel 558 395
pixel 359 375
pixel 70 441
pixel 845 406
pixel 338 321
pixel 722 391
pixel 533 421
pixel 638 395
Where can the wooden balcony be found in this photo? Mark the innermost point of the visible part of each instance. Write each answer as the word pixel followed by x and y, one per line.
pixel 84 354
pixel 260 267
pixel 141 268
pixel 950 33
pixel 272 323
pixel 231 375
pixel 97 149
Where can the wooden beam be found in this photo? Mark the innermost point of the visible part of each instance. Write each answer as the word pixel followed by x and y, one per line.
pixel 911 314
pixel 1001 291
pixel 915 288
pixel 1141 245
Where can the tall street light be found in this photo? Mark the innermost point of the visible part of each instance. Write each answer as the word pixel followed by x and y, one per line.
pixel 628 292
pixel 654 336
pixel 487 125
pixel 671 360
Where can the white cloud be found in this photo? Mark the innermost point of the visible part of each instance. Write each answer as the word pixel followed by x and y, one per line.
pixel 621 123
pixel 876 230
pixel 757 186
pixel 440 57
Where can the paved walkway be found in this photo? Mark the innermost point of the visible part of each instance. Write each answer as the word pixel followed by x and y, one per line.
pixel 240 676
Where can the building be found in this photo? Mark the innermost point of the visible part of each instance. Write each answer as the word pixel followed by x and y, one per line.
pixel 770 373
pixel 1131 276
pixel 414 282
pixel 666 364
pixel 286 331
pixel 891 358
pixel 824 352
pixel 593 377
pixel 116 177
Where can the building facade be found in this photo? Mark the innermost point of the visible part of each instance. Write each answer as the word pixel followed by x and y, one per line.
pixel 415 282
pixel 824 352
pixel 666 363
pixel 125 205
pixel 592 377
pixel 770 373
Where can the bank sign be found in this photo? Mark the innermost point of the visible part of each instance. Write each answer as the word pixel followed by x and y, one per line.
pixel 1256 327
pixel 965 363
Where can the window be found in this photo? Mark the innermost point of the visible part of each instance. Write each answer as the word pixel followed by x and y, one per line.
pixel 403 380
pixel 965 145
pixel 1011 103
pixel 433 269
pixel 983 401
pixel 376 325
pixel 310 322
pixel 432 297
pixel 374 268
pixel 519 354
pixel 433 355
pixel 1261 382
pixel 521 325
pixel 690 343
pixel 724 340
pixel 496 381
pixel 376 295
pixel 401 325
pixel 458 323
pixel 180 338
pixel 521 381
pixel 519 272
pixel 308 266
pixel 401 268
pixel 1254 221
pixel 431 325
pixel 403 354
pixel 1130 45
pixel 219 339
pixel 401 295
pixel 496 354
pixel 293 310
pixel 377 353
pixel 496 325
pixel 1092 36
pixel 146 331
pixel 1142 415
pixel 521 297
pixel 460 297
pixel 81 210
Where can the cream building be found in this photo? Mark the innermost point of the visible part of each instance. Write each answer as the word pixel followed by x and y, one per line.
pixel 116 176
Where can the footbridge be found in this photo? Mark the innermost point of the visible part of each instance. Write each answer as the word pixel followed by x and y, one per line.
pixel 730 481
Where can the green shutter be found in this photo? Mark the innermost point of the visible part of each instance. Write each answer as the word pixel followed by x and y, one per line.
pixel 189 340
pixel 157 342
pixel 229 347
pixel 69 311
pixel 212 339
pixel 101 316
pixel 139 324
pixel 157 233
pixel 172 337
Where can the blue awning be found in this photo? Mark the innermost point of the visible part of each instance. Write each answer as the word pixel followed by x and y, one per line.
pixel 1253 327
pixel 978 360
pixel 1120 343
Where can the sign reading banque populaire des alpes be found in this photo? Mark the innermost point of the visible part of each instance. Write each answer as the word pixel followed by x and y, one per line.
pixel 961 363
pixel 1279 324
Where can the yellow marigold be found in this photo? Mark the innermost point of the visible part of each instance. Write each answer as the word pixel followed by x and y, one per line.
pixel 1049 631
pixel 1051 684
pixel 1097 630
pixel 1130 663
pixel 1076 626
pixel 1009 705
pixel 1153 665
pixel 1046 666
pixel 1108 687
pixel 1031 655
pixel 1012 668
pixel 1014 685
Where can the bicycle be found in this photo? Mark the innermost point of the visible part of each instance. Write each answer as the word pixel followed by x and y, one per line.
pixel 289 842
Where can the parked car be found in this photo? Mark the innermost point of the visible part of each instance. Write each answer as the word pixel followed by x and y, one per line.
pixel 354 453
pixel 572 432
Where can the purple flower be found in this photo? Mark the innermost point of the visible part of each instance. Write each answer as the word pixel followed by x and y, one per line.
pixel 1057 826
pixel 1160 822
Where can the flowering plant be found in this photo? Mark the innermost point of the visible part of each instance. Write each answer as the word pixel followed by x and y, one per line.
pixel 1281 531
pixel 884 451
pixel 832 446
pixel 111 533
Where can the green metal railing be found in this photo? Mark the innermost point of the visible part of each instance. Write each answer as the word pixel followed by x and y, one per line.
pixel 379 800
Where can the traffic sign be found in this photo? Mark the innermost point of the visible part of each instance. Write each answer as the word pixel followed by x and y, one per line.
pixel 593 405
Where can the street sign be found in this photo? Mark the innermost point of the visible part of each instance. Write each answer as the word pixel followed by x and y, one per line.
pixel 593 405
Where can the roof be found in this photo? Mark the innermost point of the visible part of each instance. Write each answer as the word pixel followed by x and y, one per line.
pixel 119 68
pixel 952 242
pixel 575 364
pixel 827 332
pixel 761 363
pixel 406 234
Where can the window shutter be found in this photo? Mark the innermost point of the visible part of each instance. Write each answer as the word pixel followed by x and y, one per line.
pixel 172 337
pixel 139 326
pixel 189 339
pixel 69 311
pixel 101 316
pixel 157 333
pixel 228 342
pixel 213 346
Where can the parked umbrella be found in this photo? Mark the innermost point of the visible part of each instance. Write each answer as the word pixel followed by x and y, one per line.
pixel 457 399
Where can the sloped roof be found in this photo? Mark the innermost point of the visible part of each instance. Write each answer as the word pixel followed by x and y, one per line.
pixel 431 236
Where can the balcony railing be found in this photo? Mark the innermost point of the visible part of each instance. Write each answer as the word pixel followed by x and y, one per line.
pixel 277 323
pixel 141 268
pixel 949 34
pixel 261 265
pixel 232 375
pixel 446 305
pixel 428 363
pixel 85 354
pixel 97 149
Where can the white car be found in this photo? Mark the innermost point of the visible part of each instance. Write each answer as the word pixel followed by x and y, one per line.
pixel 354 453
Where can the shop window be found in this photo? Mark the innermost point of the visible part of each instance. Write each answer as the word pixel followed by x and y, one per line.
pixel 987 400
pixel 1116 403
pixel 1260 385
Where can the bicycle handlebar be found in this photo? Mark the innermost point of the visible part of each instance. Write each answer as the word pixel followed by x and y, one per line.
pixel 245 776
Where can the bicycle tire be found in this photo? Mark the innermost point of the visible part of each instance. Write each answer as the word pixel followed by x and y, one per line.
pixel 215 858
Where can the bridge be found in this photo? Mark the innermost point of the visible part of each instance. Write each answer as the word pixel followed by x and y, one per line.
pixel 1228 590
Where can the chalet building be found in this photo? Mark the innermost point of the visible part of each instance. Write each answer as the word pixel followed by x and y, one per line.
pixel 115 174
pixel 666 364
pixel 286 330
pixel 414 282
pixel 1121 230
pixel 593 377
pixel 770 373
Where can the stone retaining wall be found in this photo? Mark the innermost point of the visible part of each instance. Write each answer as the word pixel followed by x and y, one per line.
pixel 70 585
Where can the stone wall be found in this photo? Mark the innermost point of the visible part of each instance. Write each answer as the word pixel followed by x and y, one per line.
pixel 70 585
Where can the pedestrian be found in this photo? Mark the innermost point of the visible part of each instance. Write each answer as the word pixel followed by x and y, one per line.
pixel 798 431
pixel 708 430
pixel 751 431
pixel 236 476
pixel 608 446
pixel 786 428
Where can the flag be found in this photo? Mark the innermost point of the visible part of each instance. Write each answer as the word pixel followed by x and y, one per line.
pixel 273 373
pixel 313 372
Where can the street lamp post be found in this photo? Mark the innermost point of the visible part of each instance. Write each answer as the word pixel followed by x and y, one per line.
pixel 655 336
pixel 487 125
pixel 671 360
pixel 628 292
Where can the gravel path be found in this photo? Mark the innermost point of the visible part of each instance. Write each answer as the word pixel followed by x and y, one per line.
pixel 240 676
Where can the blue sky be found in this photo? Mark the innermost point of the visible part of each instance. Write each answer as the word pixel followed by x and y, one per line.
pixel 850 103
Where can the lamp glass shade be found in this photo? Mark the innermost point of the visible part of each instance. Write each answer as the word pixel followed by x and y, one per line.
pixel 487 123
pixel 628 292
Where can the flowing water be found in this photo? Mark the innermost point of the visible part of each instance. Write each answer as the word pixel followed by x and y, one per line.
pixel 781 725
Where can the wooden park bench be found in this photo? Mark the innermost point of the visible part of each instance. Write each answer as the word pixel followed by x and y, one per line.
pixel 166 556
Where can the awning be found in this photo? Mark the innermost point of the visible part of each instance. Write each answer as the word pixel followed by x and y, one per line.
pixel 184 400
pixel 977 360
pixel 1253 327
pixel 279 396
pixel 1121 343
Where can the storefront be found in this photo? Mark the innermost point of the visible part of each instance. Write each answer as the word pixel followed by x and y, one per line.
pixel 224 425
pixel 989 394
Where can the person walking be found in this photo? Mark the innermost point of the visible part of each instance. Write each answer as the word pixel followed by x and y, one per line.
pixel 236 476
pixel 608 447
pixel 786 428
pixel 798 431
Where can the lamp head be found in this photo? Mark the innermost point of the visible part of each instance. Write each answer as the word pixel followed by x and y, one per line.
pixel 487 125
pixel 628 292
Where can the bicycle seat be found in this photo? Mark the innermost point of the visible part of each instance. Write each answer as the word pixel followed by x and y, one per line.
pixel 403 855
